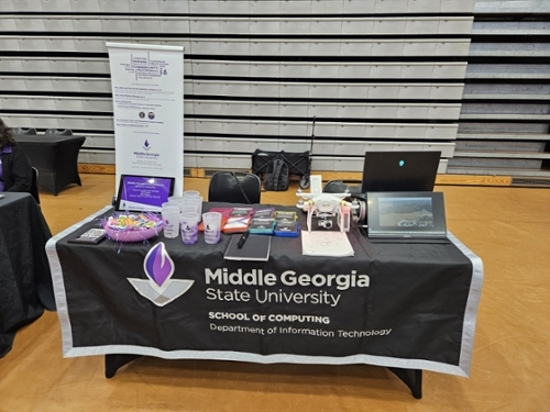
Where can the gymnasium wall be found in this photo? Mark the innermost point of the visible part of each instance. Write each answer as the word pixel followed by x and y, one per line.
pixel 466 78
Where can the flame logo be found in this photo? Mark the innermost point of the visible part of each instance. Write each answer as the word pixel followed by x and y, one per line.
pixel 158 265
pixel 160 288
pixel 146 145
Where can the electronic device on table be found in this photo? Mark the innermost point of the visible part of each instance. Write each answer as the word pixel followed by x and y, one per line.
pixel 91 236
pixel 325 207
pixel 400 171
pixel 406 217
pixel 143 193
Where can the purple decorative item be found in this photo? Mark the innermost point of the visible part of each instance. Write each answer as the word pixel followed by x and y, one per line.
pixel 138 227
pixel 158 265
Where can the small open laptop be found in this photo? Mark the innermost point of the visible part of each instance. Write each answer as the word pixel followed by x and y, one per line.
pixel 406 217
pixel 400 171
pixel 143 193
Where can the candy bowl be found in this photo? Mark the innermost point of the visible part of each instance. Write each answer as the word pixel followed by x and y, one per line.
pixel 133 227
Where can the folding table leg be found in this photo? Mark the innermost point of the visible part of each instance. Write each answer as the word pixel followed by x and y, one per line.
pixel 114 362
pixel 412 378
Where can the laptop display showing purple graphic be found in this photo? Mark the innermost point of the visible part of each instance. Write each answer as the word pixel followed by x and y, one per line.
pixel 144 193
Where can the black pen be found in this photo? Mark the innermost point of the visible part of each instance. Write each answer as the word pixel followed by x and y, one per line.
pixel 242 240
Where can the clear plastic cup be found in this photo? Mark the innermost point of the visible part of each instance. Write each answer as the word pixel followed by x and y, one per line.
pixel 171 217
pixel 192 205
pixel 189 223
pixel 212 222
pixel 191 193
pixel 170 203
pixel 178 200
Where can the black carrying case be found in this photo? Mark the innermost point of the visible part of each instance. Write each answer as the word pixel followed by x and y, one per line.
pixel 298 163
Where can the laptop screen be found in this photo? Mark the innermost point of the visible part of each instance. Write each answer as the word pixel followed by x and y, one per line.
pixel 144 193
pixel 406 214
pixel 400 171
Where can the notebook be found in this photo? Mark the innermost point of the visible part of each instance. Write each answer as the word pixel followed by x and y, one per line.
pixel 409 217
pixel 256 247
pixel 143 193
pixel 400 171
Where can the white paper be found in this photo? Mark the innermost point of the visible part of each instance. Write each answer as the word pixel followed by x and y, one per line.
pixel 320 243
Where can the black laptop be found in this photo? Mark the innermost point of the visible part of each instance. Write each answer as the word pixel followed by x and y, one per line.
pixel 400 171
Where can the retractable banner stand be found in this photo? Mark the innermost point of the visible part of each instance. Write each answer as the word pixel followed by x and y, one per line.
pixel 147 84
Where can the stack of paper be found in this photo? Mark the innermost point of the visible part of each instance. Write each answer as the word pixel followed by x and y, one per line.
pixel 320 243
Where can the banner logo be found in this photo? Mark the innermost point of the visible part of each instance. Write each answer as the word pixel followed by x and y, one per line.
pixel 160 288
pixel 146 145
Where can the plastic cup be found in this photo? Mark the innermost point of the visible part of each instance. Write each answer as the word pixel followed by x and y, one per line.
pixel 212 226
pixel 170 203
pixel 171 216
pixel 192 205
pixel 178 200
pixel 189 222
pixel 191 193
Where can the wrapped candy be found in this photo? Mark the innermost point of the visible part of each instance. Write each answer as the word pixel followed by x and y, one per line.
pixel 133 227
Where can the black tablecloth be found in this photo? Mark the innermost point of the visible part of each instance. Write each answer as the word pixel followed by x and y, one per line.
pixel 25 281
pixel 400 305
pixel 55 157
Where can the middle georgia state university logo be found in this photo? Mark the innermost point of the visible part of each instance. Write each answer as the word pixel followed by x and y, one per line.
pixel 160 288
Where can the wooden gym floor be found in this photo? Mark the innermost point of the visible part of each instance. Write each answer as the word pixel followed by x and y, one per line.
pixel 509 228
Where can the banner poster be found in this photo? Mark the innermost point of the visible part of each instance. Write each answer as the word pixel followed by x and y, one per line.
pixel 147 84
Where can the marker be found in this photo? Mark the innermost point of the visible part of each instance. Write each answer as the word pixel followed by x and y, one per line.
pixel 242 240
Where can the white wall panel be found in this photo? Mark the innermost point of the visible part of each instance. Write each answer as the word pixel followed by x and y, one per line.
pixel 390 26
pixel 8 23
pixel 360 6
pixel 355 26
pixel 413 91
pixel 236 127
pixel 86 24
pixel 174 25
pixel 423 6
pixel 119 6
pixel 11 64
pixel 214 161
pixel 296 7
pixel 266 128
pixel 322 110
pixel 12 83
pixel 384 91
pixel 395 6
pixel 143 6
pixel 386 71
pixel 422 25
pixel 457 6
pixel 295 70
pixel 235 7
pixel 455 25
pixel 173 6
pixel 410 131
pixel 116 25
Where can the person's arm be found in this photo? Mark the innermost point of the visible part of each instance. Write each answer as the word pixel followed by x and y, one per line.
pixel 21 171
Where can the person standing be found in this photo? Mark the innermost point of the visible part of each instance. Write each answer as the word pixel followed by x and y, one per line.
pixel 15 166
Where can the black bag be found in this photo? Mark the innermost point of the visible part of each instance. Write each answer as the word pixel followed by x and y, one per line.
pixel 277 176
